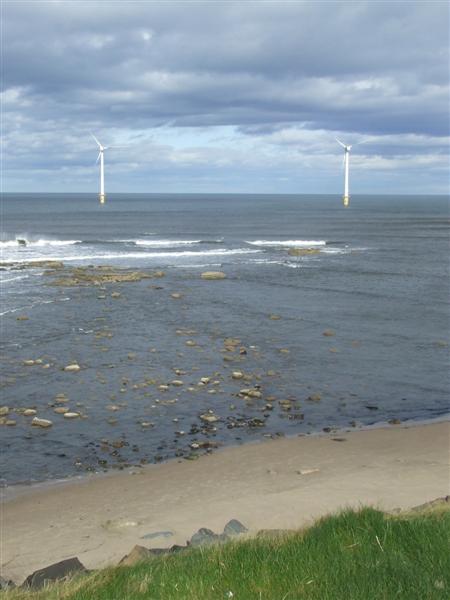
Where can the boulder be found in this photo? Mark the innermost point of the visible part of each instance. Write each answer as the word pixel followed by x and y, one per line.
pixel 72 368
pixel 60 570
pixel 213 275
pixel 234 527
pixel 138 554
pixel 206 537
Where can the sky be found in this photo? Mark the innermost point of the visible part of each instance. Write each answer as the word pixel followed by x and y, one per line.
pixel 225 97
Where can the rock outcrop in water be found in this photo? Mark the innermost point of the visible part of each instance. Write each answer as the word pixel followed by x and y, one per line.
pixel 303 251
pixel 85 276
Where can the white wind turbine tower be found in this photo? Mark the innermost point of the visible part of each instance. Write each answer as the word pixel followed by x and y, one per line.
pixel 102 167
pixel 346 197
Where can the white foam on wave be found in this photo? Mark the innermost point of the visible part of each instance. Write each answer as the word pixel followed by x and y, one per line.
pixel 165 243
pixel 2 280
pixel 32 305
pixel 181 254
pixel 288 243
pixel 40 243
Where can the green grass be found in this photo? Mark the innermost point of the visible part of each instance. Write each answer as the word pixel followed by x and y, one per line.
pixel 364 555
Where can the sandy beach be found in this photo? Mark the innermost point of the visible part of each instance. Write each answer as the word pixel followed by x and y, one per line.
pixel 282 483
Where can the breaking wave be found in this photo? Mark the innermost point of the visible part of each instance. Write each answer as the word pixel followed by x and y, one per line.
pixel 288 243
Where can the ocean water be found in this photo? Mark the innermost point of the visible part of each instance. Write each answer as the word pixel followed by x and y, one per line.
pixel 378 284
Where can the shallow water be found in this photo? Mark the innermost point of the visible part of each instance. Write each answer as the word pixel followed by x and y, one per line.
pixel 379 282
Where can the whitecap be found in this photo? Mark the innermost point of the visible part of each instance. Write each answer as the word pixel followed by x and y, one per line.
pixel 288 243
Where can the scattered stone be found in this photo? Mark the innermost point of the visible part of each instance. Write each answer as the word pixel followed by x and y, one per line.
pixel 4 410
pixel 314 398
pixel 213 275
pixel 237 375
pixel 61 410
pixel 307 471
pixel 41 422
pixel 72 368
pixel 159 274
pixel 371 407
pixel 60 570
pixel 328 333
pixel 177 382
pixel 394 422
pixel 437 502
pixel 29 412
pixel 274 317
pixel 176 296
pixel 10 422
pixel 155 534
pixel 284 350
pixel 205 380
pixel 29 363
pixel 339 439
pixel 71 415
pixel 190 343
pixel 21 318
pixel 234 527
pixel 209 417
pixel 116 295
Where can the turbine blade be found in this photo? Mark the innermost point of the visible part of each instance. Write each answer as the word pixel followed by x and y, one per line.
pixel 339 142
pixel 99 145
pixel 98 157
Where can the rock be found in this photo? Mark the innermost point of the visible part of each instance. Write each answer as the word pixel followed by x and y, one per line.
pixel 237 375
pixel 209 417
pixel 177 382
pixel 10 422
pixel 234 527
pixel 213 275
pixel 116 295
pixel 438 502
pixel 6 584
pixel 307 471
pixel 71 415
pixel 394 422
pixel 205 380
pixel 4 410
pixel 314 398
pixel 159 274
pixel 190 343
pixel 72 368
pixel 328 333
pixel 302 251
pixel 41 422
pixel 274 317
pixel 29 363
pixel 176 296
pixel 206 537
pixel 163 387
pixel 254 394
pixel 22 318
pixel 29 412
pixel 61 410
pixel 138 554
pixel 60 570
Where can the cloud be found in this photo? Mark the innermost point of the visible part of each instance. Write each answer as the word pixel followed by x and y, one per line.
pixel 270 75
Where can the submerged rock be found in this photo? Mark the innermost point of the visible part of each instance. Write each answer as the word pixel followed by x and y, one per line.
pixel 213 275
pixel 72 368
pixel 303 251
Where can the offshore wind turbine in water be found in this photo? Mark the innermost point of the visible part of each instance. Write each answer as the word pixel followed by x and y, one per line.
pixel 101 157
pixel 346 196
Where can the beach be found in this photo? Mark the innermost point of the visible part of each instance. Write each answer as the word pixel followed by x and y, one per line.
pixel 283 483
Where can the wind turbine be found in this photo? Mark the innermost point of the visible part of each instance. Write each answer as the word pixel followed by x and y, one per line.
pixel 346 197
pixel 102 167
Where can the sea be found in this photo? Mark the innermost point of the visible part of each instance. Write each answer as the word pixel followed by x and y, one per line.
pixel 351 333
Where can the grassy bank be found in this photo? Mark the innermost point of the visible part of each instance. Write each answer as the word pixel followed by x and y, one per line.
pixel 361 555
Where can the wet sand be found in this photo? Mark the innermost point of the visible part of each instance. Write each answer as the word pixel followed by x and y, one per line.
pixel 283 483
